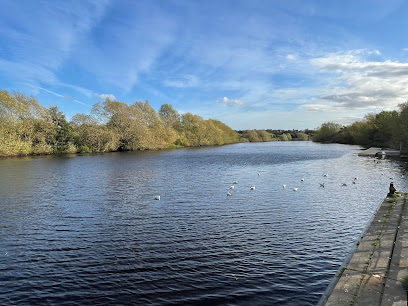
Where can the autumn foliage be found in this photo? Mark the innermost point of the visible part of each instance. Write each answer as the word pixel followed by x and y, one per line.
pixel 27 128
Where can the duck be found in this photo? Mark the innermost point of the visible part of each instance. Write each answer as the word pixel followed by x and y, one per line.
pixel 232 187
pixel 157 198
pixel 322 185
pixel 302 180
pixel 229 194
pixel 295 189
pixel 284 186
pixel 235 182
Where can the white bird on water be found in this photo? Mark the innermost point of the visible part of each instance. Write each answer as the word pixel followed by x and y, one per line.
pixel 284 186
pixel 157 198
pixel 326 175
pixel 235 182
pixel 252 188
pixel 302 180
pixel 229 194
pixel 295 189
pixel 232 187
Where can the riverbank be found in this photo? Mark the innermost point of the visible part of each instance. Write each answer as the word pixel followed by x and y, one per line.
pixel 374 151
pixel 372 274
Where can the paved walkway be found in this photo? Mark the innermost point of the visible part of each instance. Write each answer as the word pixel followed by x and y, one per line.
pixel 373 274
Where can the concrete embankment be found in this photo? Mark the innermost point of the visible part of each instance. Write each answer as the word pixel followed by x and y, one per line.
pixel 378 152
pixel 373 274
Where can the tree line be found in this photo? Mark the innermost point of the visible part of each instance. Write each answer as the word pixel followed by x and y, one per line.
pixel 274 135
pixel 27 128
pixel 386 129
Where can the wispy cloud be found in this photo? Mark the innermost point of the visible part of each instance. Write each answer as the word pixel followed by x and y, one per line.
pixel 230 102
pixel 38 50
pixel 184 82
pixel 68 97
pixel 105 96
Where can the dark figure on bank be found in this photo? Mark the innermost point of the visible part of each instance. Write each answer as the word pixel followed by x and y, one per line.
pixel 392 190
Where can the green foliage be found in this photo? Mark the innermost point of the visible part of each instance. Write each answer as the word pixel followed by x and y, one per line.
pixel 283 137
pixel 302 136
pixel 28 128
pixel 63 134
pixel 326 132
pixel 386 129
pixel 257 135
pixel 404 282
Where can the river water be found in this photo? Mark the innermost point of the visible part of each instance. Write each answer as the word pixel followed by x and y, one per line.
pixel 87 229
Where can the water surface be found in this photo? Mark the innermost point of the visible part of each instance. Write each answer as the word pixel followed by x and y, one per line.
pixel 87 230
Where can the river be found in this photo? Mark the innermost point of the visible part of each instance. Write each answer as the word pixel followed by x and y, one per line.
pixel 87 229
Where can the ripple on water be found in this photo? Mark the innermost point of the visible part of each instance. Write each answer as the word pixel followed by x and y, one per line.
pixel 87 229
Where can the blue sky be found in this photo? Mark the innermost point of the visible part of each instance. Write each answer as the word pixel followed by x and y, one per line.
pixel 287 64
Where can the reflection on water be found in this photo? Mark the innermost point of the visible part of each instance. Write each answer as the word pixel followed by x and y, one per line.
pixel 86 229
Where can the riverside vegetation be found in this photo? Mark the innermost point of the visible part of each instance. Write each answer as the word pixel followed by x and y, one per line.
pixel 386 129
pixel 27 128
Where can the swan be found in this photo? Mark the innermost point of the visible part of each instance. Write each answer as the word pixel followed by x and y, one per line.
pixel 284 186
pixel 157 198
pixel 295 189
pixel 259 174
pixel 232 187
pixel 326 175
pixel 229 194
pixel 252 188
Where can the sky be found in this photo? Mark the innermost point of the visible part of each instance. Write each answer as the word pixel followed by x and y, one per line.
pixel 252 64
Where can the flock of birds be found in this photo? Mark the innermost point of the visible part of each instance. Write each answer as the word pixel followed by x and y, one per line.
pixel 232 187
pixel 284 186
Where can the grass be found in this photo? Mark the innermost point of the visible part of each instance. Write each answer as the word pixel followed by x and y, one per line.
pixel 404 282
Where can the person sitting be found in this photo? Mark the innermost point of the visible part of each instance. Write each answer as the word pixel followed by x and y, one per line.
pixel 392 191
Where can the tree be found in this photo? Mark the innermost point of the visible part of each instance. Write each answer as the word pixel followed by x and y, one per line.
pixel 62 142
pixel 403 125
pixel 283 137
pixel 326 132
pixel 302 136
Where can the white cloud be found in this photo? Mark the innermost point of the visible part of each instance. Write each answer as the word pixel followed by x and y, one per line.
pixel 231 101
pixel 291 57
pixel 105 96
pixel 360 83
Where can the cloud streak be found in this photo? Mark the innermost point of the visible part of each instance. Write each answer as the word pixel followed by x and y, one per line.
pixel 184 82
pixel 57 94
pixel 231 102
